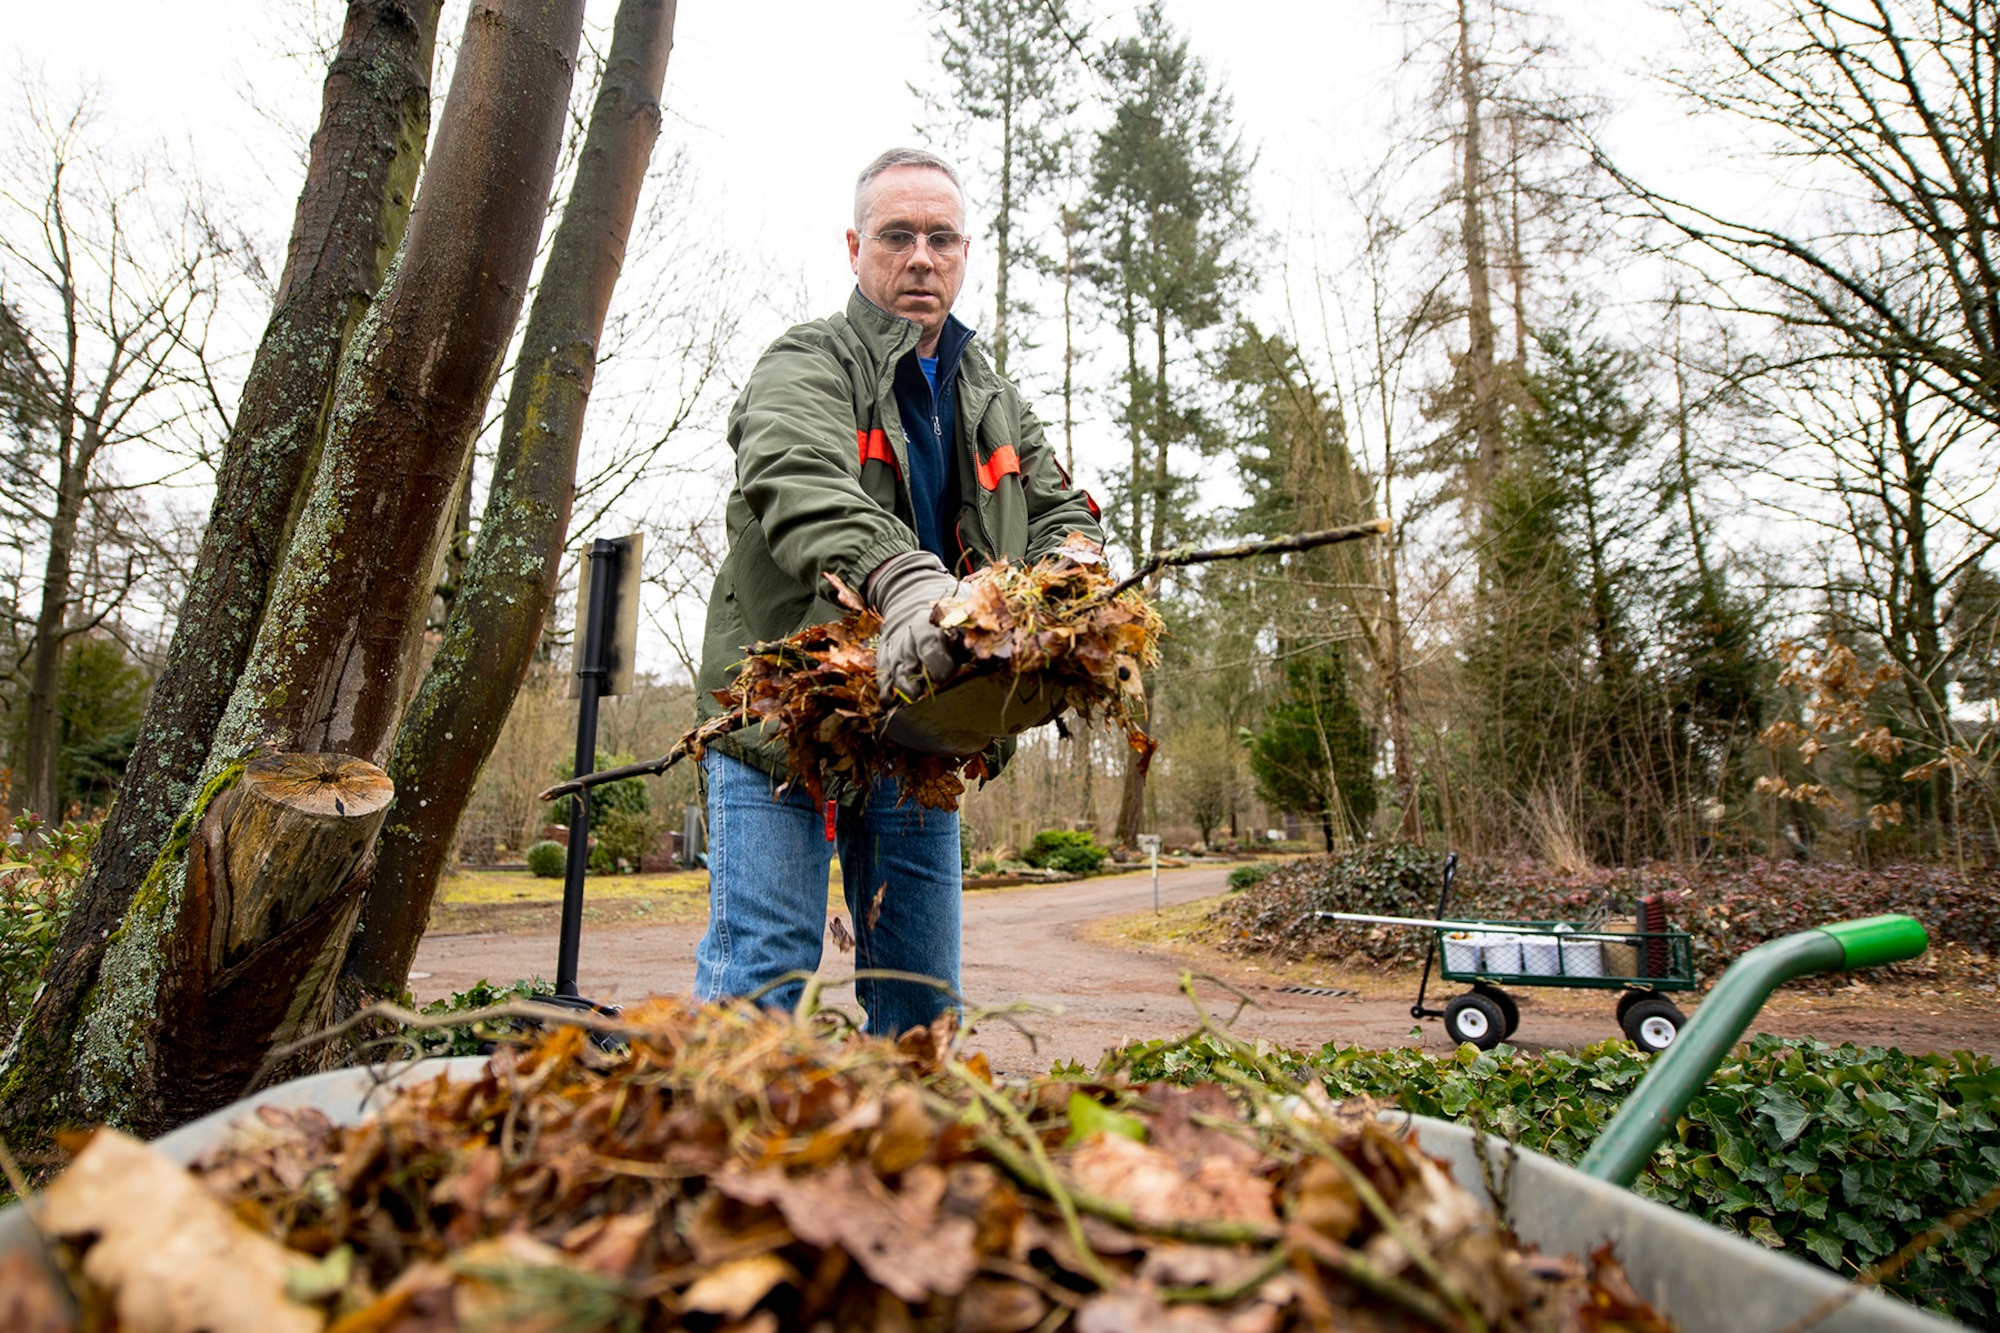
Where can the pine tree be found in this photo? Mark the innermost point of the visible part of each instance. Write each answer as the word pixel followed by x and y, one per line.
pixel 1011 65
pixel 1314 754
pixel 1169 209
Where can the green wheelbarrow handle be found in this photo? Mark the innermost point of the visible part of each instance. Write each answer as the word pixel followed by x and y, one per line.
pixel 1684 1068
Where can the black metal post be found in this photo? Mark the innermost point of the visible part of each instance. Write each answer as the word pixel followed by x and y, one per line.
pixel 590 673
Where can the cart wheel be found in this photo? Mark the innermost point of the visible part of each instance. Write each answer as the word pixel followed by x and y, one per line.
pixel 1630 998
pixel 1652 1024
pixel 1510 1013
pixel 1476 1019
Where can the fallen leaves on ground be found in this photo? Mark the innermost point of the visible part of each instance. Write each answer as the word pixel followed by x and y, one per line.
pixel 1043 629
pixel 731 1169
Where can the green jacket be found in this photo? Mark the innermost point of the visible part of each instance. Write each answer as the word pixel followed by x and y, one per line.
pixel 821 488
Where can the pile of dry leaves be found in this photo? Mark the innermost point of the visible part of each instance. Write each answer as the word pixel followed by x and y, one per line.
pixel 1048 630
pixel 728 1169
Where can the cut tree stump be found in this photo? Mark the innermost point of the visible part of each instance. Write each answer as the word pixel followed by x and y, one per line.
pixel 273 892
pixel 297 828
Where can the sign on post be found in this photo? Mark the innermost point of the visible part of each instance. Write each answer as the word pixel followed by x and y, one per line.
pixel 1149 843
pixel 618 637
pixel 607 631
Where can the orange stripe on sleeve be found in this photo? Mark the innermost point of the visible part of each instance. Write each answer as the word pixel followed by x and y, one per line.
pixel 873 446
pixel 1003 461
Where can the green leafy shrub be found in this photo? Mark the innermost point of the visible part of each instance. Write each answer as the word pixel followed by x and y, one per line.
pixel 1243 876
pixel 38 879
pixel 1062 849
pixel 472 1038
pixel 622 835
pixel 1835 1154
pixel 548 860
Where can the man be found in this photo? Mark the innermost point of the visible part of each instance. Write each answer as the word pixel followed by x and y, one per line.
pixel 878 446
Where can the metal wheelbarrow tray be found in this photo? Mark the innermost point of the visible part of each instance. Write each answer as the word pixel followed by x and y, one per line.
pixel 1705 1279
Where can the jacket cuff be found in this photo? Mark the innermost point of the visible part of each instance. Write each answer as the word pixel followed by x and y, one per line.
pixel 869 560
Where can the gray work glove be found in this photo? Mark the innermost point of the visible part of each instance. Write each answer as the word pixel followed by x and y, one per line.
pixel 912 654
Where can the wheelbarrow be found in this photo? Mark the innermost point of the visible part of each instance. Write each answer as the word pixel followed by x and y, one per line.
pixel 1643 963
pixel 1703 1278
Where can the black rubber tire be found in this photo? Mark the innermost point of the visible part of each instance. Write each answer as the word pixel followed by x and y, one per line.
pixel 1510 1013
pixel 1474 1018
pixel 1630 998
pixel 1652 1023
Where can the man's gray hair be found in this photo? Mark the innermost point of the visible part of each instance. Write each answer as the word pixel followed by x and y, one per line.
pixel 898 157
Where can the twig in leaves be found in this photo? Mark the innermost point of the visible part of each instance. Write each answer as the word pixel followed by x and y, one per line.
pixel 1274 1264
pixel 1049 1183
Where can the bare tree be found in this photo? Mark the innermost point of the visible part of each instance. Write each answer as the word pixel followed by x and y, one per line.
pixel 237 944
pixel 1888 374
pixel 1891 105
pixel 1901 484
pixel 351 215
pixel 112 295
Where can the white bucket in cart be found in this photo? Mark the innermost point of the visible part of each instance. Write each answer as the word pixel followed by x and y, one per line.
pixel 1503 954
pixel 1581 958
pixel 1540 956
pixel 1462 951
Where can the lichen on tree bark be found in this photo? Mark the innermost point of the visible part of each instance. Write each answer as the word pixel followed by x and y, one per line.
pixel 509 585
pixel 333 652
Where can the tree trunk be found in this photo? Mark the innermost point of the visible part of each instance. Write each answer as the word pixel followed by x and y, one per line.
pixel 1480 376
pixel 496 621
pixel 1410 823
pixel 332 658
pixel 1162 443
pixel 42 748
pixel 1134 410
pixel 334 662
pixel 1003 228
pixel 1072 223
pixel 1131 802
pixel 1132 797
pixel 352 211
pixel 270 872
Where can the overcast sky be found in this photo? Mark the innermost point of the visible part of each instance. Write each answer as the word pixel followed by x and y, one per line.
pixel 780 103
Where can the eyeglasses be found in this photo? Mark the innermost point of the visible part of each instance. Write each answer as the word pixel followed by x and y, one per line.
pixel 943 244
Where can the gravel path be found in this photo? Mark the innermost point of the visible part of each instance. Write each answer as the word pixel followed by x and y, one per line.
pixel 1031 944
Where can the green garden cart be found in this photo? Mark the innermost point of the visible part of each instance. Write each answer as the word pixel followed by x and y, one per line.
pixel 1643 959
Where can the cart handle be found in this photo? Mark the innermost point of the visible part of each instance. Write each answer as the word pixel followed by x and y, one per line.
pixel 1684 1068
pixel 1552 932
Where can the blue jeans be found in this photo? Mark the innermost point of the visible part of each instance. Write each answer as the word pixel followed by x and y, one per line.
pixel 767 880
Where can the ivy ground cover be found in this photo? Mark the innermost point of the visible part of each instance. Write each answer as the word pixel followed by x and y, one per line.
pixel 1836 1155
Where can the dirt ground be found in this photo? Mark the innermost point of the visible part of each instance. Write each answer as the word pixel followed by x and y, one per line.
pixel 1090 966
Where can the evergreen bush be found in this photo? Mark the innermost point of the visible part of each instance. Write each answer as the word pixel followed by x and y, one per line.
pixel 1061 849
pixel 547 860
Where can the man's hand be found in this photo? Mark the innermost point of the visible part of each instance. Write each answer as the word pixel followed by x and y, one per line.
pixel 912 652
